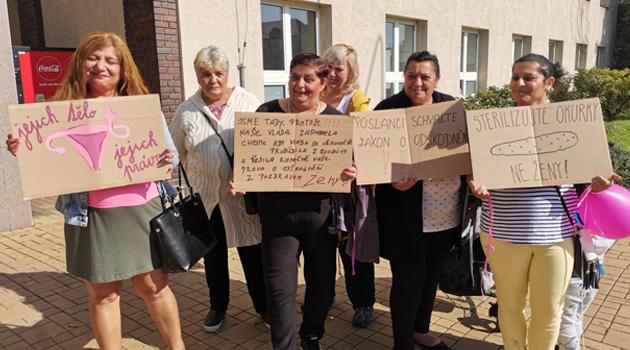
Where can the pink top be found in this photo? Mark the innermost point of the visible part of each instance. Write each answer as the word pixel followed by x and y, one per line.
pixel 217 110
pixel 124 196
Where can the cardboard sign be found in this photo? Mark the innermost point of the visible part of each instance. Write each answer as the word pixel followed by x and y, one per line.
pixel 423 142
pixel 278 152
pixel 81 145
pixel 532 146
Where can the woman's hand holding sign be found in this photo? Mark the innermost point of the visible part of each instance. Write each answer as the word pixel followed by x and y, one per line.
pixel 12 144
pixel 600 183
pixel 480 192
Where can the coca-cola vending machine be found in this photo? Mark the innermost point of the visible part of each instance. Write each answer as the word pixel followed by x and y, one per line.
pixel 42 73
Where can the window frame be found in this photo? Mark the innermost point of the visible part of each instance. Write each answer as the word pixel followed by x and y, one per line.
pixel 577 55
pixel 558 48
pixel 397 77
pixel 599 58
pixel 522 49
pixel 281 77
pixel 464 76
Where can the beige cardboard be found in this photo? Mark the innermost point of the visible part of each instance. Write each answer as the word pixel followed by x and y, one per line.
pixel 69 146
pixel 277 152
pixel 422 142
pixel 551 144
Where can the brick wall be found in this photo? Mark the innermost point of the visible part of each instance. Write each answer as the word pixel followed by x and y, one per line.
pixel 152 33
pixel 31 24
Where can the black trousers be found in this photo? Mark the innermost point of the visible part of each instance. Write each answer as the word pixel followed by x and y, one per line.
pixel 360 287
pixel 280 252
pixel 415 270
pixel 217 275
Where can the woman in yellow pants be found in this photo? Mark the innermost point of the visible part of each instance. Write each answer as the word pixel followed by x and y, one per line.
pixel 532 233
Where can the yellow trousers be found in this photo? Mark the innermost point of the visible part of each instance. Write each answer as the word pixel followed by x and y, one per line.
pixel 546 270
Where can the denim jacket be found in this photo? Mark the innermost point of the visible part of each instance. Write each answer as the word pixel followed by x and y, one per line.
pixel 74 206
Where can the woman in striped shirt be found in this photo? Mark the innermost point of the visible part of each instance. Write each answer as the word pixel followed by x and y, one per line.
pixel 533 246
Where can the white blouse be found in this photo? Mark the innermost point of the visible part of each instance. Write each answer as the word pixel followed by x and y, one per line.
pixel 440 204
pixel 207 164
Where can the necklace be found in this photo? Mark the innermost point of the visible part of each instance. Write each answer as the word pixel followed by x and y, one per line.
pixel 289 107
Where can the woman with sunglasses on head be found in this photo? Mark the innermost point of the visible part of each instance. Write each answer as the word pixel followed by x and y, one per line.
pixel 356 218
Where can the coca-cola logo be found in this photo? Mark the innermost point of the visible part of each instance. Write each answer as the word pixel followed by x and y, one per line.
pixel 48 68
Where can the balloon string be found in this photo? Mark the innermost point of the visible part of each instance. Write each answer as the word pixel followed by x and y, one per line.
pixel 587 192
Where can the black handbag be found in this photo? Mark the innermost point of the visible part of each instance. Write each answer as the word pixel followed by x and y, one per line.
pixel 182 231
pixel 462 272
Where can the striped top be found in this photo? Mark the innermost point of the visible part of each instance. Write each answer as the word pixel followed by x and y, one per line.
pixel 530 215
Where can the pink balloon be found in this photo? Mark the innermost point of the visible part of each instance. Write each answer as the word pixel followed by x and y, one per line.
pixel 606 213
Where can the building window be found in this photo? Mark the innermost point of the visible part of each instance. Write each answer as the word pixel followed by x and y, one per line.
pixel 469 58
pixel 400 42
pixel 600 60
pixel 517 48
pixel 286 31
pixel 555 51
pixel 521 46
pixel 580 56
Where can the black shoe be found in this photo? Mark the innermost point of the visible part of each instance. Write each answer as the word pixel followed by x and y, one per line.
pixel 362 317
pixel 494 310
pixel 213 321
pixel 310 344
pixel 439 346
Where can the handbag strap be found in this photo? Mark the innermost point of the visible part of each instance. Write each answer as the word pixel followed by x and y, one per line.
pixel 165 198
pixel 181 172
pixel 564 205
pixel 220 138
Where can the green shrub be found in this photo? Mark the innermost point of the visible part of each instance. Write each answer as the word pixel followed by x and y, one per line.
pixel 494 97
pixel 611 86
pixel 621 163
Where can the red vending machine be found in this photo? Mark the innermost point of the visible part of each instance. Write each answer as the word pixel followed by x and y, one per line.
pixel 42 73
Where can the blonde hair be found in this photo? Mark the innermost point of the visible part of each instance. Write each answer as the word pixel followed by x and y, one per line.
pixel 211 56
pixel 335 56
pixel 74 85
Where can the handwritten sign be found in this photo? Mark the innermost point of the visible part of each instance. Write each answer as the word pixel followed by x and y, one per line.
pixel 291 152
pixel 81 145
pixel 551 144
pixel 423 142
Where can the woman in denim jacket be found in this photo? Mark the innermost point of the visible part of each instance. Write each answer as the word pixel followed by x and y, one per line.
pixel 107 231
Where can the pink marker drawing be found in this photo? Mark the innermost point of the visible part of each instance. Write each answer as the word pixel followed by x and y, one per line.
pixel 90 140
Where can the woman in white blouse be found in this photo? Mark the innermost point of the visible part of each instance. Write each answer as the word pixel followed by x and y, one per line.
pixel 203 132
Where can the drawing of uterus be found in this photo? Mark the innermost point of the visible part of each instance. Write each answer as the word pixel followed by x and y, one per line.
pixel 90 140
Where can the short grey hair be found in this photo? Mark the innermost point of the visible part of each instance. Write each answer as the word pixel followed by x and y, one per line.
pixel 211 56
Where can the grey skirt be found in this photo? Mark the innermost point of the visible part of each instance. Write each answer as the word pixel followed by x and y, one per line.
pixel 115 245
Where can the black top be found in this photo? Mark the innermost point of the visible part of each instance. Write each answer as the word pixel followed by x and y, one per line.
pixel 400 212
pixel 401 100
pixel 277 209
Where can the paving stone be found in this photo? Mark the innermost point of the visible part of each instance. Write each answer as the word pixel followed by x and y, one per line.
pixel 42 307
